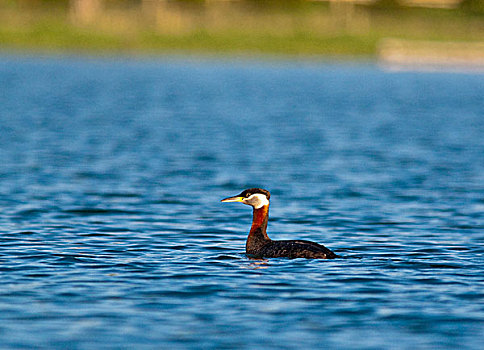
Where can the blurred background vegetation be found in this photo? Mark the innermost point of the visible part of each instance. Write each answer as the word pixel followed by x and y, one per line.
pixel 290 27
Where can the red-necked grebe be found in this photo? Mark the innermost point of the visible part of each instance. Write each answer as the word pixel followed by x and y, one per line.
pixel 260 245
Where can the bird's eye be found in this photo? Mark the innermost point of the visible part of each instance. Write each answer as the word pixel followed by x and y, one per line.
pixel 248 195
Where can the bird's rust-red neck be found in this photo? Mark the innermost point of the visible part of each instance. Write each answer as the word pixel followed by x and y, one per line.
pixel 259 220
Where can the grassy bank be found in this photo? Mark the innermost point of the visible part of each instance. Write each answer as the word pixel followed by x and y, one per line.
pixel 319 31
pixel 48 38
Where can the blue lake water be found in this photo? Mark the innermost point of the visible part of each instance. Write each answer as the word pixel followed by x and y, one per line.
pixel 112 234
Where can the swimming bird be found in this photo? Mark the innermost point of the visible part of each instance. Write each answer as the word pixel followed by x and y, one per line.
pixel 259 244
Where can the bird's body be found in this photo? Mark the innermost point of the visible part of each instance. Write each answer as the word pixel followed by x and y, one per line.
pixel 258 242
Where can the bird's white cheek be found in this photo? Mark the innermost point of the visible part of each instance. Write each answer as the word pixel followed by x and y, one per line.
pixel 259 200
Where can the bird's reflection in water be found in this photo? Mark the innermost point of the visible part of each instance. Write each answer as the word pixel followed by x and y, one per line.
pixel 258 263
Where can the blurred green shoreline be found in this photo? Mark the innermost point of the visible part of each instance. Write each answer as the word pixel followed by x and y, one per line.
pixel 315 31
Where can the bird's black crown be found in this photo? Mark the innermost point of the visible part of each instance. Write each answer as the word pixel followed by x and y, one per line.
pixel 250 191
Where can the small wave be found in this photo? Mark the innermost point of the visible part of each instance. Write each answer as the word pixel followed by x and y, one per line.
pixel 100 211
pixel 115 194
pixel 224 257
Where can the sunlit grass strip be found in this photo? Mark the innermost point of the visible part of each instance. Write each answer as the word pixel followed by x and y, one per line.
pixel 45 36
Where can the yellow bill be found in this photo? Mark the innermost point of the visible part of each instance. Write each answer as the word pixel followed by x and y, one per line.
pixel 233 199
